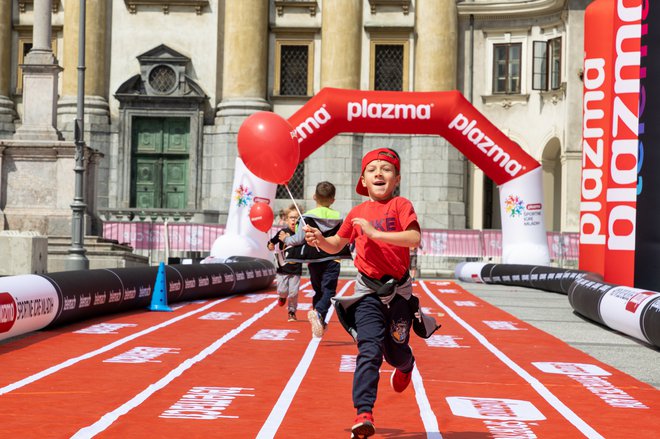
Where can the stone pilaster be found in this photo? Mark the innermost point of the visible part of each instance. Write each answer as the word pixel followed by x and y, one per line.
pixel 245 61
pixel 341 38
pixel 436 47
pixel 7 112
pixel 571 169
pixel 40 81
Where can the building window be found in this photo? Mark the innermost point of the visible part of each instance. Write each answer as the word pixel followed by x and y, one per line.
pixel 506 68
pixel 389 65
pixel 296 185
pixel 554 52
pixel 293 68
pixel 546 74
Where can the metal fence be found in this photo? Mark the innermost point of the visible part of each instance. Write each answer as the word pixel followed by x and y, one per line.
pixel 161 241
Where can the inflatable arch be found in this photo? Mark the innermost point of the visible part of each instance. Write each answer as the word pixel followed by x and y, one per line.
pixel 448 114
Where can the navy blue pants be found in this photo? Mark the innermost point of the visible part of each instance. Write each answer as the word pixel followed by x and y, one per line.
pixel 324 276
pixel 382 330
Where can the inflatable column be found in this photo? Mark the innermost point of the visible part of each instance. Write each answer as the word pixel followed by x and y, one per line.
pixel 241 238
pixel 524 239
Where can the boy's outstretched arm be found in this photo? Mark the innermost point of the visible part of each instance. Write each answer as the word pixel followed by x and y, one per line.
pixel 331 244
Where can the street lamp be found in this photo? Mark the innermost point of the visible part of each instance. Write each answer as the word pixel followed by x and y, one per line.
pixel 77 259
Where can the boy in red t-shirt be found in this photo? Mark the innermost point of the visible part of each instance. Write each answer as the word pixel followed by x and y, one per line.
pixel 382 310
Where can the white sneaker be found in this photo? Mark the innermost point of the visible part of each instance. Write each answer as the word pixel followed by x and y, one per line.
pixel 318 328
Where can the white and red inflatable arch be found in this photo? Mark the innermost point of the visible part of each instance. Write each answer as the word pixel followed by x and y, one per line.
pixel 447 114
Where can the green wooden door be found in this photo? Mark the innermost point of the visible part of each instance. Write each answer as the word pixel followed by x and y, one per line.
pixel 160 159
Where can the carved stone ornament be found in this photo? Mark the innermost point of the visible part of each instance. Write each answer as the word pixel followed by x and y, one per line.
pixel 403 4
pixel 197 5
pixel 281 5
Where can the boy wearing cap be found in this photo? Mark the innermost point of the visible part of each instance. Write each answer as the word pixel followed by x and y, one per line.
pixel 381 312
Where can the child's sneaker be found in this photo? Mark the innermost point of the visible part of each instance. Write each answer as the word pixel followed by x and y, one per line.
pixel 364 426
pixel 318 327
pixel 400 380
pixel 281 301
pixel 292 316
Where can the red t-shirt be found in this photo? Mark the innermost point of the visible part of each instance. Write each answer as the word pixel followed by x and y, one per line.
pixel 374 258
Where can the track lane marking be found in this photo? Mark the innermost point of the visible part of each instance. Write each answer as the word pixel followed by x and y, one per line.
pixel 429 419
pixel 109 418
pixel 276 416
pixel 70 362
pixel 543 391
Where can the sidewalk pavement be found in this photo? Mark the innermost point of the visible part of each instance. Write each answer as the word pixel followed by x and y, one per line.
pixel 552 313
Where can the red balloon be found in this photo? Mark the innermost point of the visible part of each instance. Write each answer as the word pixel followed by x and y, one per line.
pixel 261 216
pixel 268 147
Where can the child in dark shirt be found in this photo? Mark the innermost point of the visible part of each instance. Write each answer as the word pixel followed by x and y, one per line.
pixel 288 273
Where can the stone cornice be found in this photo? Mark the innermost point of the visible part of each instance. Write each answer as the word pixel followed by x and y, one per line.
pixel 485 9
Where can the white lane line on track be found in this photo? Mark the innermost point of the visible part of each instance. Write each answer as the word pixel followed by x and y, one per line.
pixel 280 408
pixel 426 412
pixel 274 420
pixel 546 394
pixel 109 418
pixel 70 362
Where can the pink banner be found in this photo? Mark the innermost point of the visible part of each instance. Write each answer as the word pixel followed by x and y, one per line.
pixel 435 242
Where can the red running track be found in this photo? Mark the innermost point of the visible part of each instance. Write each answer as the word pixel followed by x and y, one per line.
pixel 236 368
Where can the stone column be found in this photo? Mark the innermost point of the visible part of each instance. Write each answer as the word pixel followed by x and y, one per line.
pixel 40 81
pixel 97 109
pixel 436 47
pixel 341 47
pixel 7 113
pixel 341 55
pixel 245 61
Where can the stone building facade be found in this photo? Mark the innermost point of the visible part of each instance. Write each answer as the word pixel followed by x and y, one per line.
pixel 169 82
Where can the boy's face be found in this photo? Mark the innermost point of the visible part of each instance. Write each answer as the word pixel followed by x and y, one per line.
pixel 291 220
pixel 380 178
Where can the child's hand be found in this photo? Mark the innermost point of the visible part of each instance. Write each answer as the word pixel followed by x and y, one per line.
pixel 283 235
pixel 271 247
pixel 312 235
pixel 367 228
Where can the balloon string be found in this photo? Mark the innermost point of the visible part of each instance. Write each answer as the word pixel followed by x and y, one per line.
pixel 302 220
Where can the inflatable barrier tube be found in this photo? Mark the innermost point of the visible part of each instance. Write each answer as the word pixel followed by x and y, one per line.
pixel 32 302
pixel 553 279
pixel 632 311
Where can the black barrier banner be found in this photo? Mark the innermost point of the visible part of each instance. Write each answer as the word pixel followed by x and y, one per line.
pixel 554 279
pixel 86 294
pixel 647 240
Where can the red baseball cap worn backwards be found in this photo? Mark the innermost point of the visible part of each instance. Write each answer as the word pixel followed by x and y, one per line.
pixel 384 154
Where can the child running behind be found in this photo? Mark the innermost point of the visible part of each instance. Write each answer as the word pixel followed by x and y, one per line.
pixel 383 309
pixel 288 273
pixel 323 267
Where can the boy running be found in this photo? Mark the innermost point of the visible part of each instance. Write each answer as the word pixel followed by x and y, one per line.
pixel 382 310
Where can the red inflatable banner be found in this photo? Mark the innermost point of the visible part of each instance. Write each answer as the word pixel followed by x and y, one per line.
pixel 610 139
pixel 448 114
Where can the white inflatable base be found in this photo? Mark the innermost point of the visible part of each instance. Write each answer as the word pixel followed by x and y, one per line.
pixel 229 245
pixel 526 253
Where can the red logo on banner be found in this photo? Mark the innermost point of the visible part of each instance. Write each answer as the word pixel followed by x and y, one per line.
pixel 535 206
pixel 637 299
pixel 7 312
